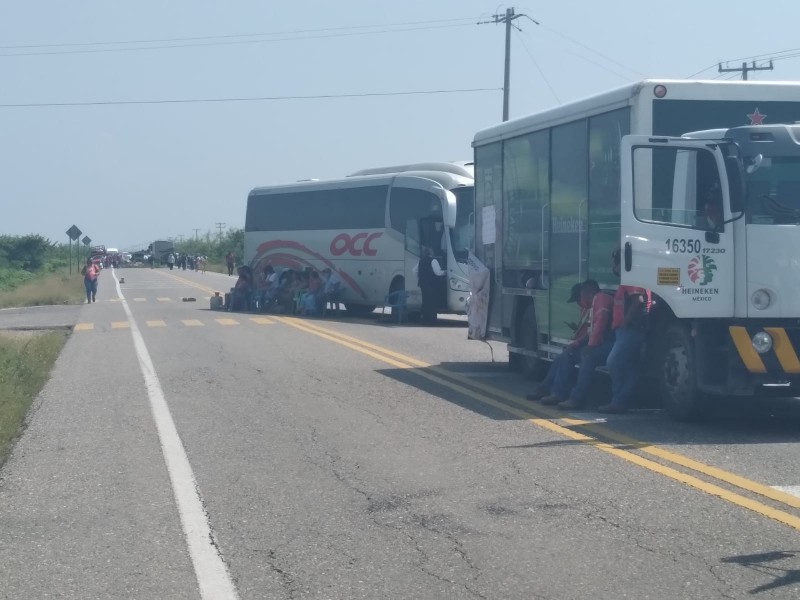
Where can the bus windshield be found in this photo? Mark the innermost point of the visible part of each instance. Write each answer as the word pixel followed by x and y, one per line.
pixel 462 235
pixel 773 191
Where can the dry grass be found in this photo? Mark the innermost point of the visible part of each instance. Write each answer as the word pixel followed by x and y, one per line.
pixel 25 363
pixel 54 288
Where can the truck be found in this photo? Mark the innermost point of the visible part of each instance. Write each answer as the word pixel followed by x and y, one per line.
pixel 636 170
pixel 160 250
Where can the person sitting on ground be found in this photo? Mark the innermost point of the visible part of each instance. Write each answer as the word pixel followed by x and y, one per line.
pixel 332 287
pixel 267 287
pixel 285 296
pixel 557 381
pixel 310 301
pixel 598 344
pixel 242 291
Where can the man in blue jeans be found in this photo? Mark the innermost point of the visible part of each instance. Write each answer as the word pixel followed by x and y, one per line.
pixel 598 344
pixel 557 383
pixel 631 311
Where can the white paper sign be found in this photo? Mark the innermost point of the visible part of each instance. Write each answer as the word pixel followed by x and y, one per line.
pixel 489 228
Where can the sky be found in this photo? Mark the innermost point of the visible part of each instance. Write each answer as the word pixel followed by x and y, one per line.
pixel 351 84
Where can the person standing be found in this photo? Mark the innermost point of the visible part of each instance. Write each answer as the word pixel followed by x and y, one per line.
pixel 230 260
pixel 630 315
pixel 171 261
pixel 90 272
pixel 428 272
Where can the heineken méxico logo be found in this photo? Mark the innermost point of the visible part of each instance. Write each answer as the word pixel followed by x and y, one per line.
pixel 701 269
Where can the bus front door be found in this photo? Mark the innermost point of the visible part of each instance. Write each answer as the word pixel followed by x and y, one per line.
pixel 413 251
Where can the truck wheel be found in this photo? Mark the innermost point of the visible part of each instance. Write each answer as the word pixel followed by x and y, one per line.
pixel 532 366
pixel 682 399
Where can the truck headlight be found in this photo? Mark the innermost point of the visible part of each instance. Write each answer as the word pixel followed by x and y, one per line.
pixel 762 342
pixel 459 284
pixel 761 299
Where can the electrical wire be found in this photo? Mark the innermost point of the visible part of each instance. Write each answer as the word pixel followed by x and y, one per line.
pixel 230 43
pixel 229 36
pixel 252 99
pixel 538 68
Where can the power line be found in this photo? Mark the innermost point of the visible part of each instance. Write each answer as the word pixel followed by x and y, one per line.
pixel 603 56
pixel 236 35
pixel 253 99
pixel 229 43
pixel 538 68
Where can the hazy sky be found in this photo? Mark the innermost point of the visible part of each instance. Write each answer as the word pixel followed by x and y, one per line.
pixel 130 173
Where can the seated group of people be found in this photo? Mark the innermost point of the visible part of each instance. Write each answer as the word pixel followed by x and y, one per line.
pixel 290 292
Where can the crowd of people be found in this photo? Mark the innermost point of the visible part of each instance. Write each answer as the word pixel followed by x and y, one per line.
pixel 291 291
pixel 187 261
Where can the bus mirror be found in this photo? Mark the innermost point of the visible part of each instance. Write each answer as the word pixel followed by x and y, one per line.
pixel 733 169
pixel 450 209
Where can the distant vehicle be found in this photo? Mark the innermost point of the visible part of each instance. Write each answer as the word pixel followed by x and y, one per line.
pixel 370 229
pixel 160 250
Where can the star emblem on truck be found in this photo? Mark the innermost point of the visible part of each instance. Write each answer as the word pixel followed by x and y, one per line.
pixel 756 118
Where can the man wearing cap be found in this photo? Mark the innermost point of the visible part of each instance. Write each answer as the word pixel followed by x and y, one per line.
pixel 598 344
pixel 557 383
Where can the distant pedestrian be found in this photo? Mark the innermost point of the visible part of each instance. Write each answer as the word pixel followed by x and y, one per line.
pixel 90 272
pixel 429 273
pixel 171 261
pixel 230 259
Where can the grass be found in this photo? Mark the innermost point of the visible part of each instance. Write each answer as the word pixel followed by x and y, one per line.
pixel 25 362
pixel 49 289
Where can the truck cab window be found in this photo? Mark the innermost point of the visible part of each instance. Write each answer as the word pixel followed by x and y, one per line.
pixel 684 189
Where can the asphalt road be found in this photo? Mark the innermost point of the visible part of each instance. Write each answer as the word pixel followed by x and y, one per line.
pixel 352 458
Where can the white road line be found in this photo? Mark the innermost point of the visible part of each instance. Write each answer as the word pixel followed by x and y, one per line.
pixel 794 490
pixel 210 570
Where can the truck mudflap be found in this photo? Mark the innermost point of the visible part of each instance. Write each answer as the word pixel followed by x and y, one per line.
pixel 780 359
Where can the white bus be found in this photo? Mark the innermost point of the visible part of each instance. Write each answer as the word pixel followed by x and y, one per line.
pixel 369 228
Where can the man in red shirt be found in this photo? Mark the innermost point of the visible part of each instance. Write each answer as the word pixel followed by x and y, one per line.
pixel 598 343
pixel 631 310
pixel 556 384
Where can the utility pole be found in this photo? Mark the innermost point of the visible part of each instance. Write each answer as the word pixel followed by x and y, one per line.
pixel 181 238
pixel 508 19
pixel 220 226
pixel 195 233
pixel 744 69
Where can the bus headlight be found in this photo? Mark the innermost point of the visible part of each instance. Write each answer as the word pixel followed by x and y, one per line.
pixel 459 284
pixel 762 342
pixel 761 299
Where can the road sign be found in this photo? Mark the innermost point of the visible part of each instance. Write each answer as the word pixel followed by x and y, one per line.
pixel 74 233
pixel 86 240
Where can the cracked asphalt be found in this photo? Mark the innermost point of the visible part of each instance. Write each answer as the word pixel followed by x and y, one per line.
pixel 327 473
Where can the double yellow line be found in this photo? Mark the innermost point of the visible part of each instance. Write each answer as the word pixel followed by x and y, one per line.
pixel 698 475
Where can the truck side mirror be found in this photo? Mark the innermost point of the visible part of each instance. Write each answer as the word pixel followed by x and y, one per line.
pixel 733 170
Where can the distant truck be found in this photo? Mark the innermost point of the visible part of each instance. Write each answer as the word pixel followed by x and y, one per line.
pixel 160 250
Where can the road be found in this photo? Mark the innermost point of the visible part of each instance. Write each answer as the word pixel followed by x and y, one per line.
pixel 179 452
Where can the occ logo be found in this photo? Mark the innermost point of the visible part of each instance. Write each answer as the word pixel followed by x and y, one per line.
pixel 356 245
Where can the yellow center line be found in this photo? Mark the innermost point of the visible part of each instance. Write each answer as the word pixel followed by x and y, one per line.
pixel 192 323
pixel 156 324
pixel 442 377
pixel 83 327
pixel 120 325
pixel 227 321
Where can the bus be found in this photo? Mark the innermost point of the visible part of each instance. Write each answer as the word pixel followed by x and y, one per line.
pixel 370 229
pixel 557 192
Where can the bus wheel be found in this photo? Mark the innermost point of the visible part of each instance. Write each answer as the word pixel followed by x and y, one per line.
pixel 359 310
pixel 682 399
pixel 532 366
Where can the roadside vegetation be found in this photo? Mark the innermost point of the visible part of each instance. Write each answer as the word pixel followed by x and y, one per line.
pixel 34 271
pixel 26 359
